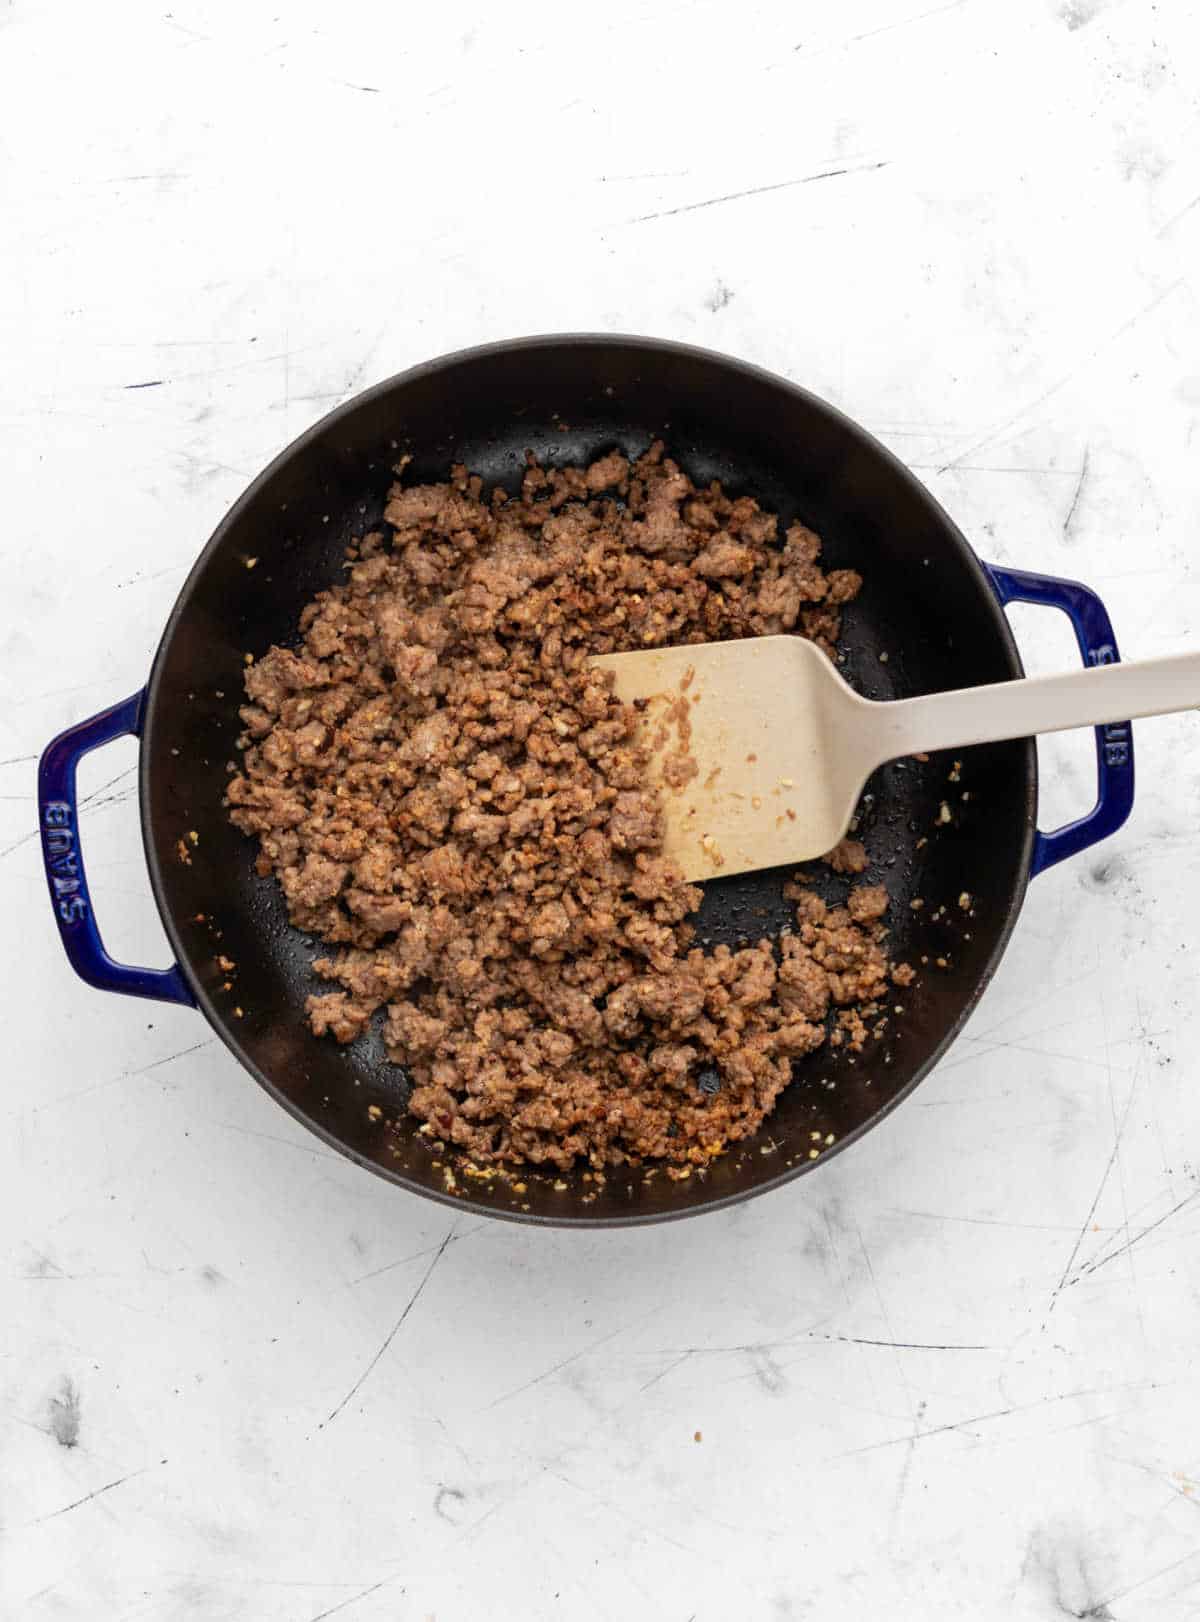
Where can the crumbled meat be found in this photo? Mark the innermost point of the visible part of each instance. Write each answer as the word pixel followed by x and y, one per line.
pixel 454 801
pixel 848 857
pixel 867 902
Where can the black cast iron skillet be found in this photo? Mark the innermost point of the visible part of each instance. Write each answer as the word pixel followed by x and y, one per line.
pixel 928 604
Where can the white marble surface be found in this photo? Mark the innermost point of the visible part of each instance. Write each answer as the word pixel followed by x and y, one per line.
pixel 953 1375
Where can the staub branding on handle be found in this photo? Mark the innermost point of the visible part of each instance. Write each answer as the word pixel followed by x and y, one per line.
pixel 61 844
pixel 1118 737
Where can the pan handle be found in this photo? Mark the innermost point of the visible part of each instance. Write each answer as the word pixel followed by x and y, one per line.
pixel 58 821
pixel 1114 743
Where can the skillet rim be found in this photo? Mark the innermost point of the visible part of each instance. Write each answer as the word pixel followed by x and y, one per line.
pixel 651 347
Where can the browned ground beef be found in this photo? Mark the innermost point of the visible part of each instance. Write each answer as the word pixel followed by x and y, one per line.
pixel 454 801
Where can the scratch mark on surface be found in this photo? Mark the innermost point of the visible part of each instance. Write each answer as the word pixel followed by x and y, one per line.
pixel 1119 1129
pixel 154 174
pixel 1079 1237
pixel 88 798
pixel 17 843
pixel 192 33
pixel 1083 473
pixel 908 1345
pixel 654 174
pixel 126 1075
pixel 1172 1482
pixel 615 1509
pixel 979 1419
pixel 416 1254
pixel 906 22
pixel 394 1331
pixel 157 574
pixel 1133 1587
pixel 1052 993
pixel 92 799
pixel 272 1137
pixel 1175 218
pixel 985 1222
pixel 1047 394
pixel 155 383
pixel 563 1363
pixel 662 1373
pixel 870 33
pixel 87 1498
pixel 353 1600
pixel 887 1323
pixel 41 1594
pixel 905 1472
pixel 1112 1255
pixel 17 760
pixel 757 191
pixel 983 1045
pixel 990 467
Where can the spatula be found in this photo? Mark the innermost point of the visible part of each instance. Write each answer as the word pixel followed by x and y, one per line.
pixel 779 747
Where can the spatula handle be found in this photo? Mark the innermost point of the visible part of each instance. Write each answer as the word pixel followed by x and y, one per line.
pixel 1021 709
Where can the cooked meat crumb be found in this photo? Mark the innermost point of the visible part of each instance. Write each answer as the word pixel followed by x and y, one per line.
pixel 453 800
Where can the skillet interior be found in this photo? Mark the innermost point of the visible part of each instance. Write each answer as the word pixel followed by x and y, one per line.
pixel 925 605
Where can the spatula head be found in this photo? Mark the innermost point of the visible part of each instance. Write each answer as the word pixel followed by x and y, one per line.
pixel 759 747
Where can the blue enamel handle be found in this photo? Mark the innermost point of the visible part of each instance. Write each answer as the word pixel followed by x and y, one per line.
pixel 59 824
pixel 1114 743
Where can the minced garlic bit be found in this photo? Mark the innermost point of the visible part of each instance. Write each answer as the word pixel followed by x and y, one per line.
pixel 943 815
pixel 964 901
pixel 374 1112
pixel 814 1154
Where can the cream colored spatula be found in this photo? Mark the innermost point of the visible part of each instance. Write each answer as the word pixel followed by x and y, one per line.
pixel 769 749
